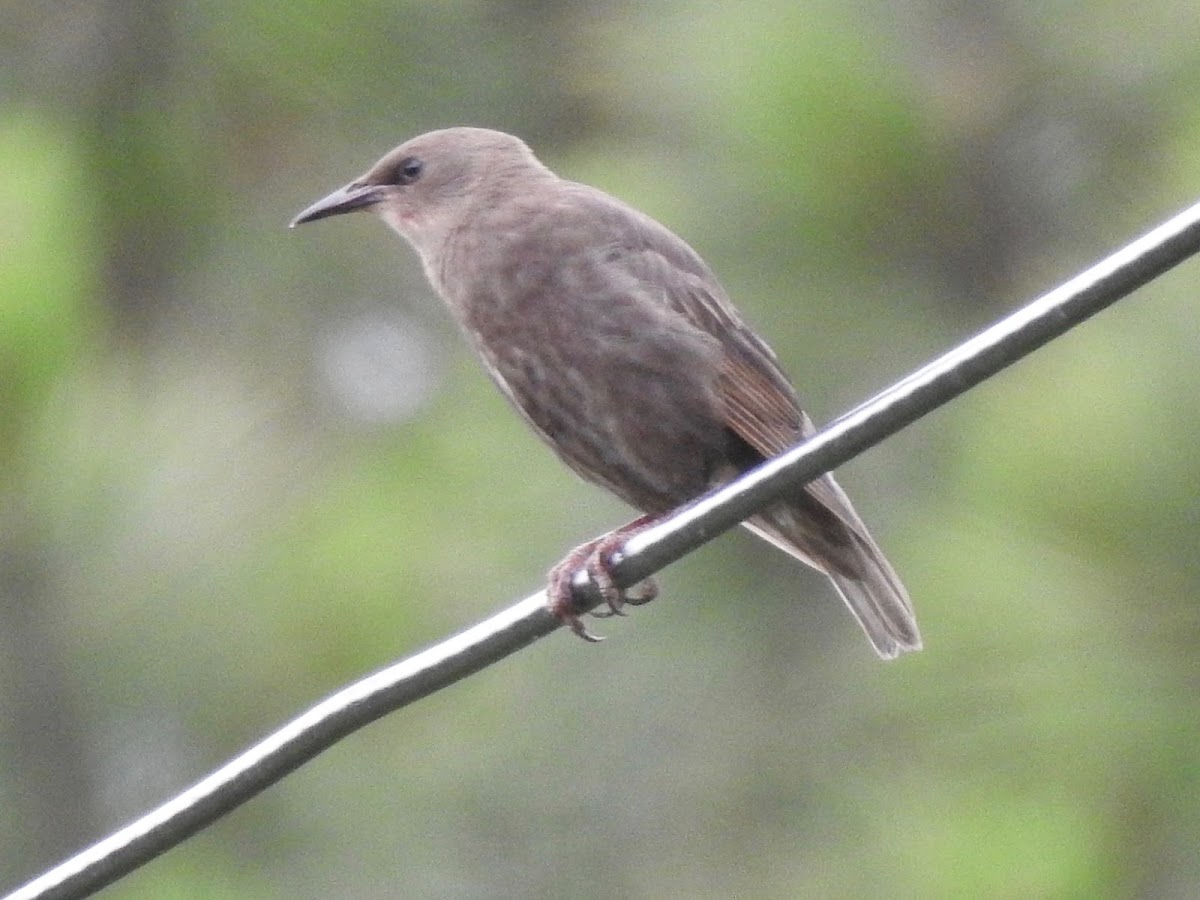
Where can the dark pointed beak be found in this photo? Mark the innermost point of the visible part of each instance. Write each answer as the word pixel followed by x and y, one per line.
pixel 343 200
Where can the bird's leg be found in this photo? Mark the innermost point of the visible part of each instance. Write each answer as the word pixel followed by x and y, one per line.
pixel 595 558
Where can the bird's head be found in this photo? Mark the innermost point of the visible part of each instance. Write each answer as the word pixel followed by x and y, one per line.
pixel 427 186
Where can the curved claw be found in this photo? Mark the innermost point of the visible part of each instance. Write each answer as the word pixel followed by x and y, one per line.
pixel 642 592
pixel 594 557
pixel 563 608
pixel 580 631
pixel 560 596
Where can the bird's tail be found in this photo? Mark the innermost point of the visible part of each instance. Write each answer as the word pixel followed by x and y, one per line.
pixel 835 541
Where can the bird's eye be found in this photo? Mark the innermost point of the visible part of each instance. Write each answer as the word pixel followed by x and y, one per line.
pixel 409 170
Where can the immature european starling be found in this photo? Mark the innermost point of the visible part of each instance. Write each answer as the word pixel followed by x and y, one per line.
pixel 620 348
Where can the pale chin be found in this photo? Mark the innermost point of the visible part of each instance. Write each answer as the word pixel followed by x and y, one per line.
pixel 411 228
pixel 403 225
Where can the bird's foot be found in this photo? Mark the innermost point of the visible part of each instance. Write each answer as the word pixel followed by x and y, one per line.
pixel 595 558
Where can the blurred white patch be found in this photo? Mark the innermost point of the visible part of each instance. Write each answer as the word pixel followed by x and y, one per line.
pixel 138 756
pixel 380 366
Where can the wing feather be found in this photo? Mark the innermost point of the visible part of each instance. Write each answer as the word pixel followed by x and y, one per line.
pixel 758 402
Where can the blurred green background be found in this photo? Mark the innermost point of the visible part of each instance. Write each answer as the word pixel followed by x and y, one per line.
pixel 241 466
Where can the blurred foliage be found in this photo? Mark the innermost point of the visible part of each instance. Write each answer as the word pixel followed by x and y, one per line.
pixel 241 466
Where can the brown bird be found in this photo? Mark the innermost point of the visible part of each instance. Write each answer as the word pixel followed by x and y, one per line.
pixel 621 349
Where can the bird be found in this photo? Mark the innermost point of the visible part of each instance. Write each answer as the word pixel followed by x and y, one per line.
pixel 620 348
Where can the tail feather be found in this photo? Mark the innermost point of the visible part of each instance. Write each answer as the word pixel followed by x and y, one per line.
pixel 882 608
pixel 858 569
